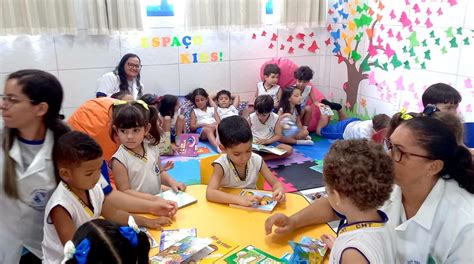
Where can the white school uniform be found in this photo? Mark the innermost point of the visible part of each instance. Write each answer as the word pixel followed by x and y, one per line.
pixel 21 223
pixel 442 230
pixel 273 91
pixel 231 179
pixel 53 250
pixel 226 112
pixel 359 130
pixel 143 172
pixel 109 84
pixel 263 131
pixel 377 244
pixel 204 117
pixel 305 95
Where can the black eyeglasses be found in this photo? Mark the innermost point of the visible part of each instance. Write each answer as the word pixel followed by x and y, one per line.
pixel 133 65
pixel 9 100
pixel 397 153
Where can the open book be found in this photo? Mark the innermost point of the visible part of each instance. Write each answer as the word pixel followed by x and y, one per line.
pixel 266 204
pixel 326 110
pixel 181 198
pixel 268 149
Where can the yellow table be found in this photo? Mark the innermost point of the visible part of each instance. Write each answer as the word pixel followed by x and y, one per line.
pixel 243 227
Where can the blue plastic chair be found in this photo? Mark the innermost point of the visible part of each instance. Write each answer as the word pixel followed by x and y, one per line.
pixel 469 134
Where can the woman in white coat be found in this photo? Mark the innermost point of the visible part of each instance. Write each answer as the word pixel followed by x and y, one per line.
pixel 432 205
pixel 125 77
pixel 30 109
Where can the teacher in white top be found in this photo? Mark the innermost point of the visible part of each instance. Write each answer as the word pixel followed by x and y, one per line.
pixel 31 102
pixel 125 77
pixel 432 205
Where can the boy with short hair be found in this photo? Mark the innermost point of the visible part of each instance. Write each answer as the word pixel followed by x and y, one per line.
pixel 239 167
pixel 352 128
pixel 359 178
pixel 271 73
pixel 303 76
pixel 266 128
pixel 443 96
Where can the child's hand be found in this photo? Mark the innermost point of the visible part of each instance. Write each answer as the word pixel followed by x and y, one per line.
pixel 279 196
pixel 157 223
pixel 328 240
pixel 178 186
pixel 261 141
pixel 249 200
pixel 164 207
pixel 283 223
pixel 168 165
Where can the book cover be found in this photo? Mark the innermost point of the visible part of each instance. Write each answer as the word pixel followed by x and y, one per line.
pixel 181 198
pixel 188 144
pixel 181 251
pixel 268 149
pixel 169 237
pixel 251 254
pixel 326 110
pixel 308 251
pixel 221 248
pixel 203 150
pixel 266 204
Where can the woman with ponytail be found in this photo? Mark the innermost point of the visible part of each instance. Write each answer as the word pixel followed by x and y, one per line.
pixel 30 106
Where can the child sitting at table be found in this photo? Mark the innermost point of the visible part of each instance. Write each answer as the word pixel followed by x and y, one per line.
pixel 79 197
pixel 359 179
pixel 102 241
pixel 239 167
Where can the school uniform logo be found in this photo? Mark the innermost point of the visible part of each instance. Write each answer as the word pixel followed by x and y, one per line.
pixel 39 199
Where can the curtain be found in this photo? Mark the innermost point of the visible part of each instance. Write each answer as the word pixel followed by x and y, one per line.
pixel 106 17
pixel 35 17
pixel 301 13
pixel 222 14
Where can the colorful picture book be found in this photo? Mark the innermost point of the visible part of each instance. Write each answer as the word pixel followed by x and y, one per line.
pixel 181 198
pixel 266 204
pixel 221 248
pixel 308 251
pixel 188 144
pixel 181 251
pixel 250 254
pixel 268 149
pixel 169 237
pixel 326 110
pixel 203 150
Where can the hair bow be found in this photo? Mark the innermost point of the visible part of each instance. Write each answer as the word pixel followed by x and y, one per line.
pixel 130 232
pixel 430 109
pixel 404 115
pixel 80 252
pixel 120 102
pixel 145 105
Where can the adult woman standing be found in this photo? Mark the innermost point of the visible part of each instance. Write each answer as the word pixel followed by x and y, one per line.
pixel 431 208
pixel 125 77
pixel 30 109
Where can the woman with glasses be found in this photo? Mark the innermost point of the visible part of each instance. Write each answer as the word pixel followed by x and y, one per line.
pixel 432 205
pixel 31 103
pixel 125 77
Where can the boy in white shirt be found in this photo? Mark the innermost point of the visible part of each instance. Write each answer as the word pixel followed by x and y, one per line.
pixel 271 74
pixel 266 128
pixel 352 128
pixel 359 178
pixel 226 105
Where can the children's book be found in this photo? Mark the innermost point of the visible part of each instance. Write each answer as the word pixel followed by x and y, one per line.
pixel 188 144
pixel 266 204
pixel 268 149
pixel 153 243
pixel 203 150
pixel 251 254
pixel 169 237
pixel 221 248
pixel 308 251
pixel 181 251
pixel 326 110
pixel 181 198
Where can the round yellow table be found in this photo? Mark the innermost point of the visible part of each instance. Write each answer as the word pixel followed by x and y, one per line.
pixel 240 226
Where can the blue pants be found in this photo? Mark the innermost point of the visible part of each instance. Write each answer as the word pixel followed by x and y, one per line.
pixel 336 130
